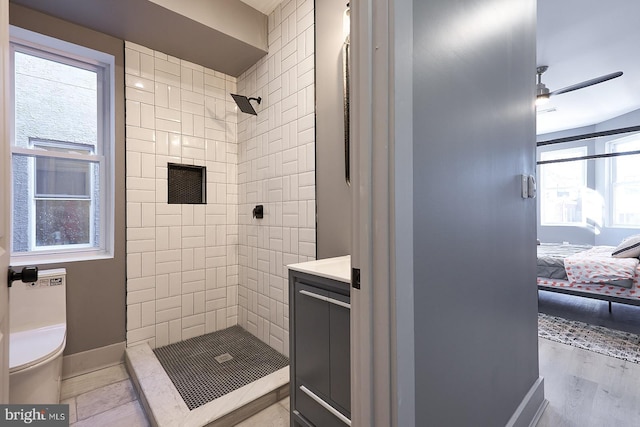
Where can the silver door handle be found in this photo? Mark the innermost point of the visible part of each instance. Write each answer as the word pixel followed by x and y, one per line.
pixel 327 299
pixel 325 405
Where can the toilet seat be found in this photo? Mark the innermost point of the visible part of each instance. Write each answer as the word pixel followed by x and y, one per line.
pixel 29 348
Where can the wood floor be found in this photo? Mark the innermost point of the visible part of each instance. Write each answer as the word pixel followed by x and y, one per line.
pixel 587 389
pixel 584 388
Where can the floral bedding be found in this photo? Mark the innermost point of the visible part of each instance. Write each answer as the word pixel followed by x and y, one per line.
pixel 594 272
pixel 597 266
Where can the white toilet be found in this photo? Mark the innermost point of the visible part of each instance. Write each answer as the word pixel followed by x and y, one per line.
pixel 38 326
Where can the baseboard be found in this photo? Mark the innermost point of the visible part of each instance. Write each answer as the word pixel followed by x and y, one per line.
pixel 92 360
pixel 531 408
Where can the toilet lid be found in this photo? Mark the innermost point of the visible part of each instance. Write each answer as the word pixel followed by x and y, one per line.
pixel 26 348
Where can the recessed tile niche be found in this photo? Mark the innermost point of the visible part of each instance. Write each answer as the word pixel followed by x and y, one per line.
pixel 187 184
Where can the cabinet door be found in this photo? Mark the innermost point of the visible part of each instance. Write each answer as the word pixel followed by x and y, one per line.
pixel 311 325
pixel 340 360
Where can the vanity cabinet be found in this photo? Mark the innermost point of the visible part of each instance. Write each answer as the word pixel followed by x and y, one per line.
pixel 319 331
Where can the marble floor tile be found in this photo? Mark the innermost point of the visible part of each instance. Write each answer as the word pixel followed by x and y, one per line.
pixel 72 408
pixel 104 398
pixel 273 416
pixel 83 383
pixel 285 403
pixel 128 415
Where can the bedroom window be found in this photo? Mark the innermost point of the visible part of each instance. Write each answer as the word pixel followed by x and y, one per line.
pixel 562 186
pixel 61 150
pixel 624 190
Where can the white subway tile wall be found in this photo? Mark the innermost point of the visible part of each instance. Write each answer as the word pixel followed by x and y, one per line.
pixel 182 260
pixel 194 269
pixel 276 169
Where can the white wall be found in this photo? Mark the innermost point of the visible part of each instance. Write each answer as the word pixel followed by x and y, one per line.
pixel 276 169
pixel 182 263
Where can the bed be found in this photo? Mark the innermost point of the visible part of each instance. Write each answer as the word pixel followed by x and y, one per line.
pixel 607 273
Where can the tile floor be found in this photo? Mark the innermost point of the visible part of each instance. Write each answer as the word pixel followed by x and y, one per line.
pixel 107 398
pixel 276 415
pixel 103 398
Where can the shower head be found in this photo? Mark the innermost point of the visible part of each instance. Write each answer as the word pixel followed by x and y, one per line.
pixel 244 104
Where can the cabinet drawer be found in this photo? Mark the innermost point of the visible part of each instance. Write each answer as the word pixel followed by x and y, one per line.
pixel 318 414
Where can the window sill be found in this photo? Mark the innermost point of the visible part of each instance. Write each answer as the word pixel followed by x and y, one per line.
pixel 41 258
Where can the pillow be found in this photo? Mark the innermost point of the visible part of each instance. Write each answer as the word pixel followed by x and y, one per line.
pixel 629 248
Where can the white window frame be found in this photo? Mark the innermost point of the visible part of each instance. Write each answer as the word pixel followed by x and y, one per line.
pixel 104 64
pixel 578 151
pixel 35 197
pixel 610 183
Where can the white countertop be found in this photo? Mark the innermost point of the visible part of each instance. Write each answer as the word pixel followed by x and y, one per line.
pixel 338 268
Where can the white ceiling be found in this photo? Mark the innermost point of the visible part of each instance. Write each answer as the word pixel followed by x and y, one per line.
pixel 580 40
pixel 264 6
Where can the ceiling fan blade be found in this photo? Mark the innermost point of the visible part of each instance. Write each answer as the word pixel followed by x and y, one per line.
pixel 587 83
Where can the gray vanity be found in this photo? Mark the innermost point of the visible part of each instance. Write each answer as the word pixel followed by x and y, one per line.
pixel 319 337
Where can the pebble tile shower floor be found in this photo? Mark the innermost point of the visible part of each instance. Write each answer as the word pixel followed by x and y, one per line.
pixel 200 378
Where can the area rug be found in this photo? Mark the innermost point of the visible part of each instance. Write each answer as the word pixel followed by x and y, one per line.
pixel 622 345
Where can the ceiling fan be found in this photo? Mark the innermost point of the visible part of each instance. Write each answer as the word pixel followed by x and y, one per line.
pixel 543 92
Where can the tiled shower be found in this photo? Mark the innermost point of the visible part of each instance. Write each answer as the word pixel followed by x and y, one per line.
pixel 182 268
pixel 195 269
pixel 276 168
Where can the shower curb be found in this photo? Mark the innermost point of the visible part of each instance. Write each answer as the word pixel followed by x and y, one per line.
pixel 164 405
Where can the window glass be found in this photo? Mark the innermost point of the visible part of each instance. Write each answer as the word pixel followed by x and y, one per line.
pixel 62 178
pixel 54 101
pixel 625 183
pixel 63 222
pixel 562 187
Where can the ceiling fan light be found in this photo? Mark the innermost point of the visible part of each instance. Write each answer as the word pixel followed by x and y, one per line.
pixel 542 93
pixel 542 99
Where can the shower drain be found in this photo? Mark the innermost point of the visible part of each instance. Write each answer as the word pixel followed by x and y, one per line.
pixel 223 358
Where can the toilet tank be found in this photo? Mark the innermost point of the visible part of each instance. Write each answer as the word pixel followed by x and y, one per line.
pixel 41 303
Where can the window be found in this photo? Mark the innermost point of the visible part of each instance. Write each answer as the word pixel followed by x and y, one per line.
pixel 61 149
pixel 562 187
pixel 624 190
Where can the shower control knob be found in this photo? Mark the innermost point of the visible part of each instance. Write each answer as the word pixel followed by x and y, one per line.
pixel 27 275
pixel 258 212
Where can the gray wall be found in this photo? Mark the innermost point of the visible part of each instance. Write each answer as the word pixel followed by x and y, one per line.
pixel 232 17
pixel 333 194
pixel 95 289
pixel 476 347
pixel 597 178
pixel 225 35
